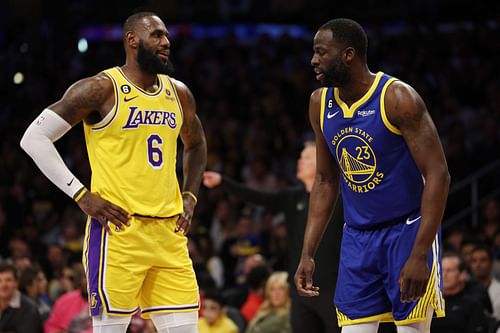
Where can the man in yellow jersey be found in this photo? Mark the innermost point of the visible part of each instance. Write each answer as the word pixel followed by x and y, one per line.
pixel 135 253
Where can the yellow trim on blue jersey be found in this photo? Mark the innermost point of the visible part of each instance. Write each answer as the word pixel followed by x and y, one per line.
pixel 322 110
pixel 385 120
pixel 147 93
pixel 349 111
pixel 343 320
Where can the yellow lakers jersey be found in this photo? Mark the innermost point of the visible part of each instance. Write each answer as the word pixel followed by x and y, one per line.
pixel 132 151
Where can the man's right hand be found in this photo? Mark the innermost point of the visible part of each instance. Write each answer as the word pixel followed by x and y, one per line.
pixel 103 211
pixel 211 179
pixel 303 278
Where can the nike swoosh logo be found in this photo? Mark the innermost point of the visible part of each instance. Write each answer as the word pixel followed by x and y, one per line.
pixel 331 115
pixel 125 99
pixel 408 221
pixel 71 182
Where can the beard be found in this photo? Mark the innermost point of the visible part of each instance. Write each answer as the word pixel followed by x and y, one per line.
pixel 337 75
pixel 150 63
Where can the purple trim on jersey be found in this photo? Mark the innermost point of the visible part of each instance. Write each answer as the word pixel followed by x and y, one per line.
pixel 93 261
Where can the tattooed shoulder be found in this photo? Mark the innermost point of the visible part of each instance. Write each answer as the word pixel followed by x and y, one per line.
pixel 89 93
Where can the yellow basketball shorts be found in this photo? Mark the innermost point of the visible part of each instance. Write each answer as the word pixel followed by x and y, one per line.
pixel 145 267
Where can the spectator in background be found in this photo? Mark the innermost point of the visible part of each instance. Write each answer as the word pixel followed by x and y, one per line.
pixel 490 223
pixel 464 313
pixel 215 319
pixel 70 312
pixel 56 260
pixel 212 263
pixel 482 272
pixel 33 284
pixel 468 244
pixel 62 284
pixel 235 249
pixel 256 281
pixel 454 237
pixel 274 314
pixel 222 224
pixel 18 313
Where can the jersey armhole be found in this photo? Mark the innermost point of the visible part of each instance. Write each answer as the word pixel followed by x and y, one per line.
pixel 110 116
pixel 393 129
pixel 322 110
pixel 174 88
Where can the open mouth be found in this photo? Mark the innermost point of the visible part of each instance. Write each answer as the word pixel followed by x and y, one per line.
pixel 319 74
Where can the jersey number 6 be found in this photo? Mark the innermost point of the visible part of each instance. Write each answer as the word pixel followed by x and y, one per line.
pixel 155 154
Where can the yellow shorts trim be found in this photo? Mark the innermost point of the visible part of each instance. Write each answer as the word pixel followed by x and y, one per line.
pixel 343 320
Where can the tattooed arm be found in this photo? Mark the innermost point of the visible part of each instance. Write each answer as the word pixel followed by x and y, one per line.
pixel 194 156
pixel 407 111
pixel 87 99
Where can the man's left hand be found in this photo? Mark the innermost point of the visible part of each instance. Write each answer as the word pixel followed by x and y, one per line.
pixel 413 279
pixel 184 221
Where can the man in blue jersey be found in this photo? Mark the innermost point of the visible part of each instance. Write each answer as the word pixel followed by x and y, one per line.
pixel 376 140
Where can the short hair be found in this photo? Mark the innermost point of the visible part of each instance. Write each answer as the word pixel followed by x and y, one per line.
pixel 27 277
pixel 483 248
pixel 9 268
pixel 216 296
pixel 132 20
pixel 257 277
pixel 349 33
pixel 461 262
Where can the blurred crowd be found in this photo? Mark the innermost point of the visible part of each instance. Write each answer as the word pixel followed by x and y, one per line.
pixel 252 98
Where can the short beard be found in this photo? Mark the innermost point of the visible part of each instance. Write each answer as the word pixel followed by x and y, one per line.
pixel 150 63
pixel 337 76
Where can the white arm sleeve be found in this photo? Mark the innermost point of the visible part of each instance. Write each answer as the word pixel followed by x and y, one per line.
pixel 38 142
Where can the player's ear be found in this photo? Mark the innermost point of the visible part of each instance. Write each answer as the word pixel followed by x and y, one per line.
pixel 348 54
pixel 131 39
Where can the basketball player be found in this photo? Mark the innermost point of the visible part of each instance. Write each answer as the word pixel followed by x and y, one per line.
pixel 135 252
pixel 375 137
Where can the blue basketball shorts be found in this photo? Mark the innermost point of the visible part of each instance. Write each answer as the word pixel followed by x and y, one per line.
pixel 368 281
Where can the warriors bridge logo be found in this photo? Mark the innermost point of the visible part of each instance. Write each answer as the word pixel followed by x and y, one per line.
pixel 357 159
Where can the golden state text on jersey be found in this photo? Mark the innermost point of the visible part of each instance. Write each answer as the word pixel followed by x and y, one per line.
pixel 379 178
pixel 133 150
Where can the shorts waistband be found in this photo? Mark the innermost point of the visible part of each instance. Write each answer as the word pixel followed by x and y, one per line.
pixel 149 217
pixel 385 224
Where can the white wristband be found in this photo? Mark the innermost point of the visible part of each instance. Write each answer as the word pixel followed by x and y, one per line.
pixel 38 142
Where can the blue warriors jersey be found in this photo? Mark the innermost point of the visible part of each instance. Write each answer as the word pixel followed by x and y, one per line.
pixel 379 178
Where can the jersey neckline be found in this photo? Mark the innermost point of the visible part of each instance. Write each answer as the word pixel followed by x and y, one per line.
pixel 147 93
pixel 349 111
